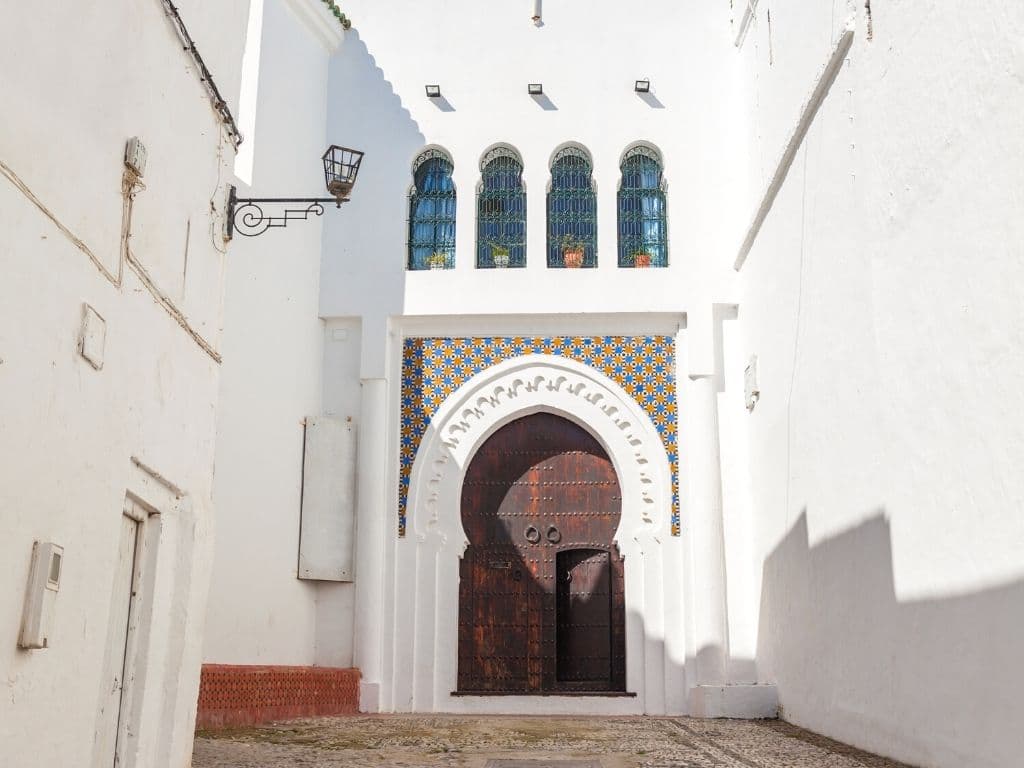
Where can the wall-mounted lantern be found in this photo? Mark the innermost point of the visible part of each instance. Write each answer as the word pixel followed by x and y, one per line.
pixel 433 91
pixel 642 86
pixel 246 216
pixel 535 89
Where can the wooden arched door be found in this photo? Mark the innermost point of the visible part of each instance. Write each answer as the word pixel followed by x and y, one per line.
pixel 541 603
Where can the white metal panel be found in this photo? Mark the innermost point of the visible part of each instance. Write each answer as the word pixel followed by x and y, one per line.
pixel 328 500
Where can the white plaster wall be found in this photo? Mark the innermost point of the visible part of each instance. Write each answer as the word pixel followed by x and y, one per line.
pixel 79 82
pixel 881 300
pixel 587 55
pixel 259 611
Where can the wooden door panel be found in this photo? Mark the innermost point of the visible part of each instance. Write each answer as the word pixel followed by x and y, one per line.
pixel 584 636
pixel 539 492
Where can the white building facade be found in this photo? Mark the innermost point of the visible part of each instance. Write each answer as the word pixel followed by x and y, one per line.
pixel 790 157
pixel 794 173
pixel 754 320
pixel 110 325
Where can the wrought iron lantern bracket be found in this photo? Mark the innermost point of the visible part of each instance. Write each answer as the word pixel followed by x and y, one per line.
pixel 247 217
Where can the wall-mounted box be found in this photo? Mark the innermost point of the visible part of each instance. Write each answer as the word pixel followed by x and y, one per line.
pixel 93 337
pixel 41 595
pixel 751 389
pixel 327 527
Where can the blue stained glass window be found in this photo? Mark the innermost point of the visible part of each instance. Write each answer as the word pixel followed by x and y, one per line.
pixel 432 212
pixel 501 211
pixel 572 210
pixel 643 230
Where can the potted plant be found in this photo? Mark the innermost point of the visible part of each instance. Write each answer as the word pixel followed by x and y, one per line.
pixel 572 252
pixel 499 255
pixel 640 258
pixel 438 260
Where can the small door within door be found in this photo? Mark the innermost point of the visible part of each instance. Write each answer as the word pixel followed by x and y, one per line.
pixel 584 632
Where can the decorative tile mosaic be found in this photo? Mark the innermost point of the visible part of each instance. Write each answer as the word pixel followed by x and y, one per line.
pixel 434 367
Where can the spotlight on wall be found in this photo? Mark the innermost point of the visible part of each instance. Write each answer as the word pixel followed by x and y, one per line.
pixel 535 89
pixel 433 91
pixel 642 86
pixel 246 216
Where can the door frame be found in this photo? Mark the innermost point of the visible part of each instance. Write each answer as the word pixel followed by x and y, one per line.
pixel 171 534
pixel 426 562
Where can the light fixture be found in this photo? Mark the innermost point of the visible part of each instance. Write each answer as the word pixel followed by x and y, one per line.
pixel 642 86
pixel 535 89
pixel 433 91
pixel 246 216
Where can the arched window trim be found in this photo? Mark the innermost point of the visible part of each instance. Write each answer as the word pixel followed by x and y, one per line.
pixel 645 211
pixel 576 224
pixel 431 153
pixel 571 150
pixel 431 230
pixel 501 212
pixel 499 150
pixel 641 150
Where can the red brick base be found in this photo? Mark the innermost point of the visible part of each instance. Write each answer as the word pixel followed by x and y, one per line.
pixel 231 696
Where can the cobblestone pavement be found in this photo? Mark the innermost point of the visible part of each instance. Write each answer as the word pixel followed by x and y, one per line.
pixel 418 741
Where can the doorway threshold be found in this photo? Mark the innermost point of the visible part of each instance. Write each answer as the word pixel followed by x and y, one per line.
pixel 602 694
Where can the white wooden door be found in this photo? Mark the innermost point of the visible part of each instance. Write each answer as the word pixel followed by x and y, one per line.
pixel 108 716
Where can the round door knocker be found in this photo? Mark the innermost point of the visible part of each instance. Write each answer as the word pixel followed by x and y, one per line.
pixel 553 535
pixel 532 534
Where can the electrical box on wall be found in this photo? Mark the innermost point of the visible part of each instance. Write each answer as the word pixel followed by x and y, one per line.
pixel 135 155
pixel 327 527
pixel 41 595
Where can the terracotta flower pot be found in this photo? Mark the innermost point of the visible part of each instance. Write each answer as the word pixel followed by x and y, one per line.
pixel 572 257
pixel 642 260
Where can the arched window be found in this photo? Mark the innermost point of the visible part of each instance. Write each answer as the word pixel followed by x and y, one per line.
pixel 432 212
pixel 643 235
pixel 572 211
pixel 501 211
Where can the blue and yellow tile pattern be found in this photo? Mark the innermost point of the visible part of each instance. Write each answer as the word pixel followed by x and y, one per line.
pixel 434 367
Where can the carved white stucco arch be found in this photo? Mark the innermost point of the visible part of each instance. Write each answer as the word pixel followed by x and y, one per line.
pixel 525 385
pixel 425 637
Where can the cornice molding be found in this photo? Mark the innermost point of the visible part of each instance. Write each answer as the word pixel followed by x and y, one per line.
pixel 320 20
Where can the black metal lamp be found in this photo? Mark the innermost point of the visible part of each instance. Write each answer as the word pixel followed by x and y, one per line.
pixel 433 91
pixel 535 89
pixel 246 216
pixel 642 86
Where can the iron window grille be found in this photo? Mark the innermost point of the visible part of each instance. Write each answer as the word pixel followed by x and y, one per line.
pixel 501 211
pixel 643 230
pixel 572 209
pixel 432 212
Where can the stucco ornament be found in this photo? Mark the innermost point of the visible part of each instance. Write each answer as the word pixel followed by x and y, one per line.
pixel 526 385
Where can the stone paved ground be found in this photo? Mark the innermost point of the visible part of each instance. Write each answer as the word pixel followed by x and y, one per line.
pixel 438 741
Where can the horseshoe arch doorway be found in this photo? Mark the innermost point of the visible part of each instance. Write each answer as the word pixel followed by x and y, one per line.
pixel 541 588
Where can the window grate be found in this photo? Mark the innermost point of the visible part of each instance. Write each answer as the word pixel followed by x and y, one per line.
pixel 572 209
pixel 501 211
pixel 643 230
pixel 432 213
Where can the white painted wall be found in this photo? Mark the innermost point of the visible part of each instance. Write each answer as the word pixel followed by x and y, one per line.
pixel 79 81
pixel 587 55
pixel 870 508
pixel 259 611
pixel 881 299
